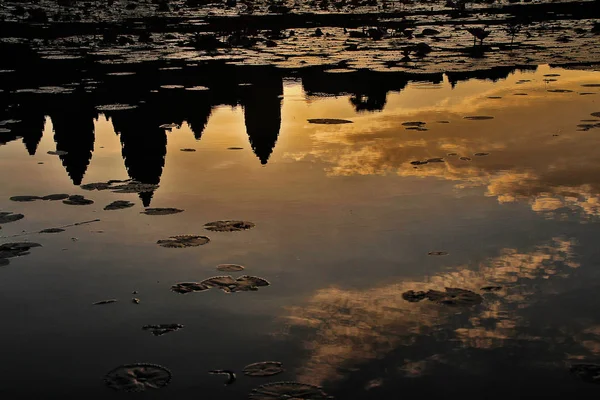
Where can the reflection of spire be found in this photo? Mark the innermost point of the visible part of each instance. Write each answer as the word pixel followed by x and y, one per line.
pixel 74 133
pixel 30 127
pixel 199 118
pixel 144 146
pixel 262 116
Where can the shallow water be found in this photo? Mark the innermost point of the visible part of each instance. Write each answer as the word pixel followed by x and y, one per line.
pixel 344 225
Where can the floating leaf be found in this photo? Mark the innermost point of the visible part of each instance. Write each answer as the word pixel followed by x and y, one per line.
pixel 78 200
pixel 452 154
pixel 265 368
pixel 6 217
pixel 134 187
pixel 230 375
pixel 464 159
pixel 328 121
pixel 550 75
pixel 181 241
pixel 228 226
pixel 587 372
pixel 58 153
pixel 96 186
pixel 55 197
pixel 138 377
pixel 417 162
pixel 454 297
pixel 438 253
pixel 188 150
pixel 230 267
pixel 189 287
pixel 161 211
pixel 119 205
pixel 413 296
pixel 479 117
pixel 491 288
pixel 560 91
pixel 159 330
pixel 481 154
pixel 235 148
pixel 52 230
pixel 595 114
pixel 25 198
pixel 98 303
pixel 288 390
pixel 227 284
pixel 413 123
pixel 416 128
pixel 16 249
pixel 591 85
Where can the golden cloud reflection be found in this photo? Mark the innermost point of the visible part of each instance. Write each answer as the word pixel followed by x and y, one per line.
pixel 352 327
pixel 536 152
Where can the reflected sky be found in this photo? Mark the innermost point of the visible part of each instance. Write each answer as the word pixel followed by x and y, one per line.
pixel 344 223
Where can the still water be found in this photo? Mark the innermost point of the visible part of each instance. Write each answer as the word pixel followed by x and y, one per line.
pixel 344 225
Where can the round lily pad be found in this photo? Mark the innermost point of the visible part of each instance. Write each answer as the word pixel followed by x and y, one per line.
pixel 25 198
pixel 78 200
pixel 161 211
pixel 464 159
pixel 479 117
pixel 159 330
pixel 6 217
pixel 138 377
pixel 481 154
pixel 133 187
pixel 16 249
pixel 230 267
pixel 328 121
pixel 181 241
pixel 288 390
pixel 55 197
pixel 438 253
pixel 227 284
pixel 265 368
pixel 229 226
pixel 52 230
pixel 189 287
pixel 119 205
pixel 454 297
pixel 413 123
pixel 587 372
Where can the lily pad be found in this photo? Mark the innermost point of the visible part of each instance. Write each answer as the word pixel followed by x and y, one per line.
pixel 454 297
pixel 227 284
pixel 189 287
pixel 169 126
pixel 25 198
pixel 288 390
pixel 228 226
pixel 481 154
pixel 119 205
pixel 187 150
pixel 413 123
pixel 78 200
pixel 58 153
pixel 329 121
pixel 417 162
pixel 55 197
pixel 159 330
pixel 435 160
pixel 96 186
pixel 109 301
pixel 52 230
pixel 230 267
pixel 464 159
pixel 587 372
pixel 413 296
pixel 595 114
pixel 115 107
pixel 491 288
pixel 265 368
pixel 134 187
pixel 560 91
pixel 161 211
pixel 181 241
pixel 438 253
pixel 416 128
pixel 138 377
pixel 16 249
pixel 479 117
pixel 591 85
pixel 235 148
pixel 6 217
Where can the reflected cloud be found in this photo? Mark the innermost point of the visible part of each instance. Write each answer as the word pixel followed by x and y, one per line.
pixel 349 328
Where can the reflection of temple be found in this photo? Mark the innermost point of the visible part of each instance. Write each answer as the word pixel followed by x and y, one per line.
pixel 494 74
pixel 73 122
pixel 262 115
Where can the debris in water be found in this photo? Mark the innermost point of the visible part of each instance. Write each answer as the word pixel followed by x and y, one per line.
pixel 52 230
pixel 288 390
pixel 265 368
pixel 138 377
pixel 181 241
pixel 98 303
pixel 328 121
pixel 159 330
pixel 135 300
pixel 230 267
pixel 115 107
pixel 230 375
pixel 161 211
pixel 119 205
pixel 228 226
pixel 78 200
